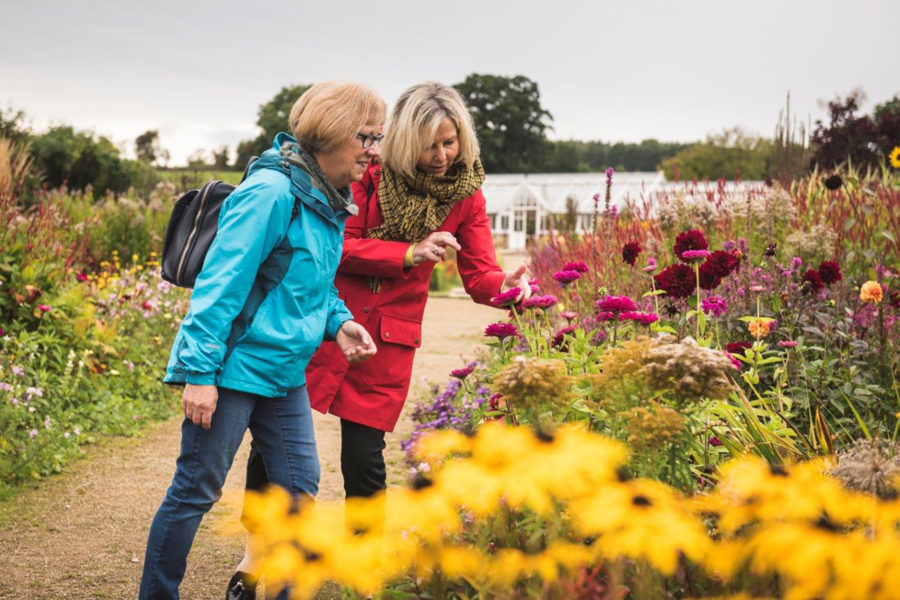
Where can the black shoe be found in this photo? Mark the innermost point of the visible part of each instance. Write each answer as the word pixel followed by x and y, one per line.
pixel 241 587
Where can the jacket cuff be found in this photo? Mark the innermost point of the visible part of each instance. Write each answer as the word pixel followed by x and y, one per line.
pixel 200 378
pixel 408 260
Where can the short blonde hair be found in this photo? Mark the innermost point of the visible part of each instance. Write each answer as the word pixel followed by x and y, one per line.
pixel 330 113
pixel 414 123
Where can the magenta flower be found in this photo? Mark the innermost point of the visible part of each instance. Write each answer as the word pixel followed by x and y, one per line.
pixel 714 305
pixel 616 304
pixel 694 255
pixel 575 266
pixel 542 302
pixel 535 286
pixel 464 372
pixel 605 315
pixel 81 277
pixel 644 318
pixel 507 298
pixel 787 344
pixel 2 332
pixel 568 315
pixel 714 441
pixel 43 308
pixel 651 265
pixel 734 361
pixel 501 331
pixel 566 277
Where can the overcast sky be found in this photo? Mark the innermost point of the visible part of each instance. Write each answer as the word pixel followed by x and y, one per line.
pixel 624 70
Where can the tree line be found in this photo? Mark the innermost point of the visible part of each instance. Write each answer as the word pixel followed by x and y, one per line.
pixel 512 127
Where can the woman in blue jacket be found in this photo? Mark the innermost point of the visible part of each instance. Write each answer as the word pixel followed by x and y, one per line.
pixel 245 371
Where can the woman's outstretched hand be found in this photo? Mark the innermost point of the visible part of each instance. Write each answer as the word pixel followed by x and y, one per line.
pixel 434 247
pixel 199 403
pixel 355 342
pixel 517 279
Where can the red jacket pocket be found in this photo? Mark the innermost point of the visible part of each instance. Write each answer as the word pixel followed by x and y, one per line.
pixel 405 332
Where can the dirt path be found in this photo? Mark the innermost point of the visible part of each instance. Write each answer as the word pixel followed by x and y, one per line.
pixel 82 535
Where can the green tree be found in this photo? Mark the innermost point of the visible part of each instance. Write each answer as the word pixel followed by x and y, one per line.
pixel 731 154
pixel 220 158
pixel 272 117
pixel 77 159
pixel 146 146
pixel 510 121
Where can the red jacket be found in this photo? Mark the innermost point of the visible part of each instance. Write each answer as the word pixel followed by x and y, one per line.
pixel 372 392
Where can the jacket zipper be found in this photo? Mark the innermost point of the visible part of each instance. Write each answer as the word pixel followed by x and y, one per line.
pixel 192 234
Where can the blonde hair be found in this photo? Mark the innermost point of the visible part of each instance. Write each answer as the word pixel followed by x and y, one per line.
pixel 330 113
pixel 414 123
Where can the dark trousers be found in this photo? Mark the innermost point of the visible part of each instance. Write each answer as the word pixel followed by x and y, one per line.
pixel 362 462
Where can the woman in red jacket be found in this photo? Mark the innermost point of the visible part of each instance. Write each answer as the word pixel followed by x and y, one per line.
pixel 424 199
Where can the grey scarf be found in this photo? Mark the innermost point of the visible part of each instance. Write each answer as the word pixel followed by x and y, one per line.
pixel 337 199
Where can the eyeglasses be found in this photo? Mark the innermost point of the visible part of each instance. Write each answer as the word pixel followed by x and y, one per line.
pixel 369 139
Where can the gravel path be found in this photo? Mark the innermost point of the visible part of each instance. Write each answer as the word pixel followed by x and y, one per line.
pixel 81 535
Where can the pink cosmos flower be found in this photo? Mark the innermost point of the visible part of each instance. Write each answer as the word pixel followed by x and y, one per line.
pixel 644 318
pixel 566 277
pixel 501 331
pixel 507 298
pixel 616 304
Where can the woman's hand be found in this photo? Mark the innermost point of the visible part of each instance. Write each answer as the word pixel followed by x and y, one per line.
pixel 355 342
pixel 434 247
pixel 517 279
pixel 199 403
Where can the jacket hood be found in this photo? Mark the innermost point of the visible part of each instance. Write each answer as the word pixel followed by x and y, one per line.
pixel 279 158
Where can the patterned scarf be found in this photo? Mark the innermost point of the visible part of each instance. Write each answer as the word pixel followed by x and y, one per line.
pixel 337 199
pixel 414 206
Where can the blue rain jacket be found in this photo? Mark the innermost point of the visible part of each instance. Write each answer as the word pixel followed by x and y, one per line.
pixel 270 355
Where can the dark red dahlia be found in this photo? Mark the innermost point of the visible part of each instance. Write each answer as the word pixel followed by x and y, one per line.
pixel 630 252
pixel 692 239
pixel 560 340
pixel 677 280
pixel 737 347
pixel 830 272
pixel 721 263
pixel 709 276
pixel 812 282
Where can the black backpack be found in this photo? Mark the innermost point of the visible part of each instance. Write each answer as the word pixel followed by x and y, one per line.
pixel 192 227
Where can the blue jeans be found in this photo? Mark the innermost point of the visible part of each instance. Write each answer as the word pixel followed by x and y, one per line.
pixel 282 429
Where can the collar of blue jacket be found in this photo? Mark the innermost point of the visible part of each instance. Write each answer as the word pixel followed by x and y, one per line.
pixel 301 184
